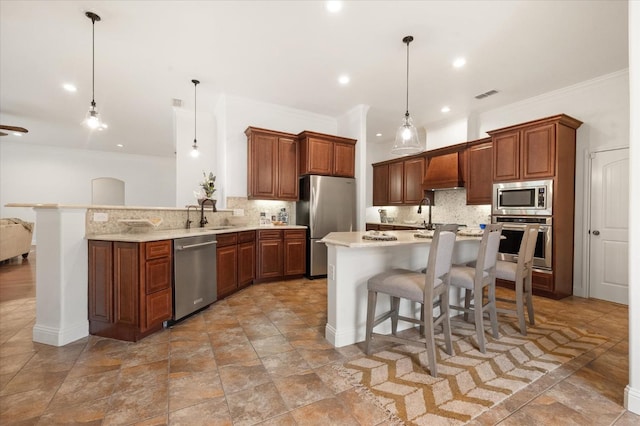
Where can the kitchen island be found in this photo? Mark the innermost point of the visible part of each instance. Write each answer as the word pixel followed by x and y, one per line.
pixel 352 260
pixel 62 258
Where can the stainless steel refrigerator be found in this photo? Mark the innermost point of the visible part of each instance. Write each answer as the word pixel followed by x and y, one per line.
pixel 327 204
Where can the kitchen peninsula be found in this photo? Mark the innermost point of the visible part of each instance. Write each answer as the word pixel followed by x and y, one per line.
pixel 352 260
pixel 62 267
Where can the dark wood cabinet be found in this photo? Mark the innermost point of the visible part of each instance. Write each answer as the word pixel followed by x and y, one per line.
pixel 525 153
pixel 380 184
pixel 412 180
pixel 545 149
pixel 399 182
pixel 272 164
pixel 235 256
pixel 479 172
pixel 129 288
pixel 246 258
pixel 270 254
pixel 328 155
pixel 295 249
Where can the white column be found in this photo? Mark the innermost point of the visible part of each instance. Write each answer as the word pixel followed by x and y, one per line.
pixel 61 276
pixel 632 391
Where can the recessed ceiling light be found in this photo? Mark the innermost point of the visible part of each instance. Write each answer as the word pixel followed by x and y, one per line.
pixel 69 87
pixel 334 6
pixel 119 145
pixel 378 134
pixel 445 109
pixel 459 62
pixel 17 134
pixel 344 79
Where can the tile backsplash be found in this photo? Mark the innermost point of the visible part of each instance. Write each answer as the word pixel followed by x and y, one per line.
pixel 450 207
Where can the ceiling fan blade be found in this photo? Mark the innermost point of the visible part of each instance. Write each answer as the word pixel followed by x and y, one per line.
pixel 14 128
pixel 3 134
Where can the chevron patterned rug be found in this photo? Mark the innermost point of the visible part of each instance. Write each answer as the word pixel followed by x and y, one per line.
pixel 469 381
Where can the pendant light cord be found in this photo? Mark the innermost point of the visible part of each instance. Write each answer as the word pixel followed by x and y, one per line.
pixel 195 110
pixel 93 62
pixel 407 112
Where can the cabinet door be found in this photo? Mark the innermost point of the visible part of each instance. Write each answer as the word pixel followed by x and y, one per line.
pixel 295 256
pixel 227 267
pixel 246 263
pixel 270 259
pixel 381 185
pixel 125 283
pixel 159 308
pixel 344 159
pixel 263 165
pixel 506 156
pixel 319 158
pixel 100 281
pixel 396 183
pixel 157 274
pixel 539 152
pixel 479 179
pixel 287 183
pixel 413 177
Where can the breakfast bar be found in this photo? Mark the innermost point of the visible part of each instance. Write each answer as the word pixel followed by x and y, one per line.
pixel 352 260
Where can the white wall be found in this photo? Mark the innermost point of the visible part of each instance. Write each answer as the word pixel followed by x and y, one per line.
pixel 43 174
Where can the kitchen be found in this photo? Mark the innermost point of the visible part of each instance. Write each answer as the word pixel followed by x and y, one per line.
pixel 602 130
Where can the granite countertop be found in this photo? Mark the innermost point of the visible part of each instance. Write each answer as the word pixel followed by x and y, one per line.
pixel 355 240
pixel 171 234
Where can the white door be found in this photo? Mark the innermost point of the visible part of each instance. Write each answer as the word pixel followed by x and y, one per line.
pixel 609 228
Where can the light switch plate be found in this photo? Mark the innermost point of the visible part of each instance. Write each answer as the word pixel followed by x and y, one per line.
pixel 100 217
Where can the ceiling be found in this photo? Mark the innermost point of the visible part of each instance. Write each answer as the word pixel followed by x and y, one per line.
pixel 288 53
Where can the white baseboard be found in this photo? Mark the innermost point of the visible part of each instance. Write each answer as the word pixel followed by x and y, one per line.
pixel 57 337
pixel 632 399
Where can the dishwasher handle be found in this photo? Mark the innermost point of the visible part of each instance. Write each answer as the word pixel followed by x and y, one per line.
pixel 190 246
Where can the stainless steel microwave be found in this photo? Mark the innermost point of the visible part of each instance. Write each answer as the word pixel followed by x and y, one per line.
pixel 534 197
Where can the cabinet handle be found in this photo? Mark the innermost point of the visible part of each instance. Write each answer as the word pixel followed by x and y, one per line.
pixel 197 245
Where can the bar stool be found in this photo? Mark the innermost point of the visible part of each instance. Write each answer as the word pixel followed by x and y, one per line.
pixel 474 280
pixel 520 274
pixel 430 289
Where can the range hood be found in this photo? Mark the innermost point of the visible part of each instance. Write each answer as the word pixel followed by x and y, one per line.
pixel 445 171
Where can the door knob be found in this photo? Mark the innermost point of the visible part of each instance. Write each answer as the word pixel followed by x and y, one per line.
pixel 596 233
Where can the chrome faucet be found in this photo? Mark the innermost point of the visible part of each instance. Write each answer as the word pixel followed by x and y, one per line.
pixel 428 202
pixel 203 218
pixel 188 224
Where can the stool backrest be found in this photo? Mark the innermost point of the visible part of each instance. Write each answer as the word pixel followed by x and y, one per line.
pixel 527 248
pixel 440 254
pixel 488 253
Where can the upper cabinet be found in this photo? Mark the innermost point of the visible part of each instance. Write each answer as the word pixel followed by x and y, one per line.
pixel 272 165
pixel 327 155
pixel 399 182
pixel 529 151
pixel 479 171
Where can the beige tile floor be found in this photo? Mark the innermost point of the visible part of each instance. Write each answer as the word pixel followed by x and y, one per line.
pixel 259 357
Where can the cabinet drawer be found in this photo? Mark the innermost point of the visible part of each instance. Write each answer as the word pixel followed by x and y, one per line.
pixel 155 249
pixel 227 239
pixel 295 234
pixel 269 234
pixel 157 275
pixel 246 236
pixel 158 307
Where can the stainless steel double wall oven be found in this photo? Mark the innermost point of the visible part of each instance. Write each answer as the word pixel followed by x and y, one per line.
pixel 516 204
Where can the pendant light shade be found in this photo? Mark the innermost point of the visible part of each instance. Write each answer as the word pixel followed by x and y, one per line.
pixel 194 148
pixel 406 142
pixel 92 119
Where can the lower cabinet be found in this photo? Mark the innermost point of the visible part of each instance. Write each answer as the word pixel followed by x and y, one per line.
pixel 129 288
pixel 281 253
pixel 236 254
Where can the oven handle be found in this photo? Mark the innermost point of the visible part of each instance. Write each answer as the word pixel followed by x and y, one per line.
pixel 515 227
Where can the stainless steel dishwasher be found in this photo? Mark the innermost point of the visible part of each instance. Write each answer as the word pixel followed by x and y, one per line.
pixel 194 274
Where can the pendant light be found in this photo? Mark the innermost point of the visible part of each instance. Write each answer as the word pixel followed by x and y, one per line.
pixel 194 152
pixel 407 142
pixel 92 119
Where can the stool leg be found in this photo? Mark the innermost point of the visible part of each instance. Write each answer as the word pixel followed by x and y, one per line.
pixel 477 312
pixel 520 306
pixel 529 296
pixel 371 312
pixel 395 309
pixel 430 342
